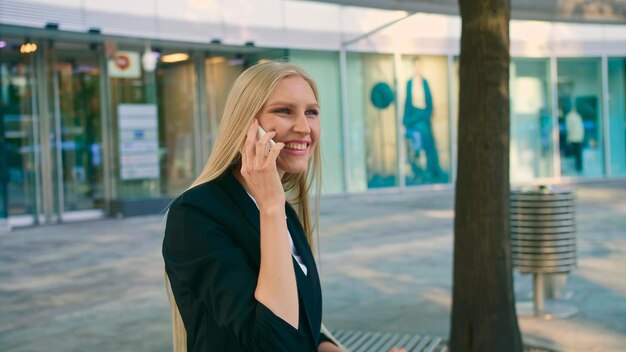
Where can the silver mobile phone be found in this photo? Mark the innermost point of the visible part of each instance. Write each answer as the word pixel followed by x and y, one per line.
pixel 261 132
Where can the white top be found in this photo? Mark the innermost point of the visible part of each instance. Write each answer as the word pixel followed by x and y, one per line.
pixel 294 252
pixel 575 127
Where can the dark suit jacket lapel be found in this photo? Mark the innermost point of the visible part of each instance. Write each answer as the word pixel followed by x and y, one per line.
pixel 308 286
pixel 239 195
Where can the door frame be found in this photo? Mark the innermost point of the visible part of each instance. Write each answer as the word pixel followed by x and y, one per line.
pixel 49 191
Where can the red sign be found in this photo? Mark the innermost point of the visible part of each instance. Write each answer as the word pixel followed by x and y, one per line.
pixel 122 62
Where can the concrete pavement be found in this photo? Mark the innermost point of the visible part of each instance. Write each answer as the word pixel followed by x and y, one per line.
pixel 386 265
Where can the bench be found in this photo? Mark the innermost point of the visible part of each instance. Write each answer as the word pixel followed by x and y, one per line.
pixel 359 341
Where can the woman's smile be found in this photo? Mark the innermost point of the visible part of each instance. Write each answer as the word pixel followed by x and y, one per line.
pixel 296 148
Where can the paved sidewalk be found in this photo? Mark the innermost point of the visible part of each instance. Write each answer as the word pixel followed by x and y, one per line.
pixel 386 264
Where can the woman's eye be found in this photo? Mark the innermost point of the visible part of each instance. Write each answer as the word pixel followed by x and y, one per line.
pixel 313 112
pixel 282 111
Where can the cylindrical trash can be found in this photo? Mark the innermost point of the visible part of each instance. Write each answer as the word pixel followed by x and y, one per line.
pixel 543 236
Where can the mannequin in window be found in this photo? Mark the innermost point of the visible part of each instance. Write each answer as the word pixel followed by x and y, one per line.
pixel 418 111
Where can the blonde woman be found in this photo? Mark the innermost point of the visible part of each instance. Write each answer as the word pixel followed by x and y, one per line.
pixel 237 249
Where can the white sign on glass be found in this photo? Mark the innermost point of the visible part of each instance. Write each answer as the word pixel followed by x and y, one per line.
pixel 139 141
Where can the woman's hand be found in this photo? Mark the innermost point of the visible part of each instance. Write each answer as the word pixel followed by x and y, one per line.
pixel 331 347
pixel 326 346
pixel 258 168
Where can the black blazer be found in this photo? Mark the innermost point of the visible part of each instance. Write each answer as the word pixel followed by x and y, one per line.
pixel 212 257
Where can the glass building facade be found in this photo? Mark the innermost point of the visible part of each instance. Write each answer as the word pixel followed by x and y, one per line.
pixel 118 127
pixel 581 133
pixel 617 115
pixel 531 147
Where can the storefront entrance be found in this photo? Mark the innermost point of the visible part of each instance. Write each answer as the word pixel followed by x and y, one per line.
pixel 51 113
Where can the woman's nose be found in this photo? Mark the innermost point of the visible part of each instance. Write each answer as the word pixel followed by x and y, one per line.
pixel 301 124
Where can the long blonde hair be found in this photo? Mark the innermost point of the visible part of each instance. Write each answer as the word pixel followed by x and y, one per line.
pixel 245 100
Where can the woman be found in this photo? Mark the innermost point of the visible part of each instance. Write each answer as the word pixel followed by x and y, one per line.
pixel 239 267
pixel 243 278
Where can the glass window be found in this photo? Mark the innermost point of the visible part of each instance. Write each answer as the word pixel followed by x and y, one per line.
pixel 357 178
pixel 18 131
pixel 136 150
pixel 324 68
pixel 531 148
pixel 424 98
pixel 177 102
pixel 74 77
pixel 220 73
pixel 580 111
pixel 373 112
pixel 617 115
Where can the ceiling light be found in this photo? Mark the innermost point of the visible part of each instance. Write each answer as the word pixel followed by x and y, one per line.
pixel 176 57
pixel 28 47
pixel 215 60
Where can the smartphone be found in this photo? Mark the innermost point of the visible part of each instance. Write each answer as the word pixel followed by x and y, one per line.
pixel 262 133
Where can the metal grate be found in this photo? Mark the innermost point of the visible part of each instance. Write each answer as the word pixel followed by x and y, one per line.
pixel 359 341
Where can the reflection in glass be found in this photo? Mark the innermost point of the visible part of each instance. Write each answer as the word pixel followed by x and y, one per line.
pixel 324 68
pixel 130 84
pixel 425 119
pixel 580 128
pixel 18 143
pixel 176 91
pixel 617 115
pixel 380 119
pixel 221 71
pixel 531 151
pixel 77 76
pixel 357 172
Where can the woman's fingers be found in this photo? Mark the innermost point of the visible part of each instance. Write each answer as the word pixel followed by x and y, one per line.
pixel 247 150
pixel 262 146
pixel 274 151
pixel 257 152
pixel 251 138
pixel 259 167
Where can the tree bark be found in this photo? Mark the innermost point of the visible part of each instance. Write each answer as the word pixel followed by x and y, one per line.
pixel 483 304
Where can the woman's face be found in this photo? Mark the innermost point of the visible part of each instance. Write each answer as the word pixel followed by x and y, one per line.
pixel 293 112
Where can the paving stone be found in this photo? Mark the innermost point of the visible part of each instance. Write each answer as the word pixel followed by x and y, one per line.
pixel 386 265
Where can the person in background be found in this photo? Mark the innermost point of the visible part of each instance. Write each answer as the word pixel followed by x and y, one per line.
pixel 575 136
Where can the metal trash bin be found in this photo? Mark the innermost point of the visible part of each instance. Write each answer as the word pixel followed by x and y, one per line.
pixel 543 239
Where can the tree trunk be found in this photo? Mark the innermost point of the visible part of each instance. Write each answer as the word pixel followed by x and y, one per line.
pixel 483 308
